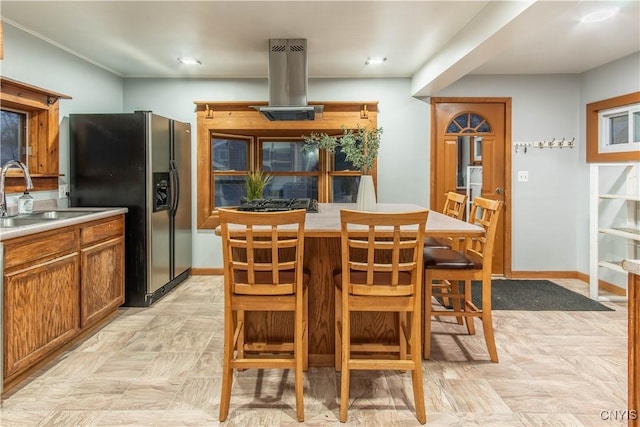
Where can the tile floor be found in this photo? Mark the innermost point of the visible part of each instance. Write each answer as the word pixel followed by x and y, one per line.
pixel 160 366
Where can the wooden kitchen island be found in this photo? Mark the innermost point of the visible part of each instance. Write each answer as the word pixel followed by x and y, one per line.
pixel 322 257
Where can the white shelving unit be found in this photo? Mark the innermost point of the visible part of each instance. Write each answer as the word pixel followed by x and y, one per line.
pixel 474 185
pixel 614 223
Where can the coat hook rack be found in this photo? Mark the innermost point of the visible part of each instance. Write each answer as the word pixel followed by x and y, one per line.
pixel 553 143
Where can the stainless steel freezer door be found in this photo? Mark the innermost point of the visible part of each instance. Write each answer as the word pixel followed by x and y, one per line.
pixel 158 153
pixel 182 221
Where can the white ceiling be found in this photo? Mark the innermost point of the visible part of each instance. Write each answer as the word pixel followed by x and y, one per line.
pixel 434 42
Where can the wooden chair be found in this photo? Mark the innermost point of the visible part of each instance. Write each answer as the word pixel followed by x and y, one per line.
pixel 262 254
pixel 454 206
pixel 381 272
pixel 473 262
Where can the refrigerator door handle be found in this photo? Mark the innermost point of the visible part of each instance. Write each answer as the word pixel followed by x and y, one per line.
pixel 175 186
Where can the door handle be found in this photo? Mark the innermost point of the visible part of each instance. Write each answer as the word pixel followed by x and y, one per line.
pixel 175 187
pixel 498 190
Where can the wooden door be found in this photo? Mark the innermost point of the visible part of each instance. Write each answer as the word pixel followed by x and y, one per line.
pixel 488 120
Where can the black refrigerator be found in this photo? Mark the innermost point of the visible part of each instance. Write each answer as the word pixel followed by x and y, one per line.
pixel 141 161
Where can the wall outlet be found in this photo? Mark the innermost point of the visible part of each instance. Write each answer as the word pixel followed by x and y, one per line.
pixel 523 176
pixel 62 191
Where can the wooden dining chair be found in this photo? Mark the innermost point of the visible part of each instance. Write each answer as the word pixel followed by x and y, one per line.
pixel 263 271
pixel 381 272
pixel 454 206
pixel 472 262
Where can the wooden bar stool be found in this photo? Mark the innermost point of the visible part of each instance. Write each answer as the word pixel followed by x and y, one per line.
pixel 454 206
pixel 381 272
pixel 262 254
pixel 473 262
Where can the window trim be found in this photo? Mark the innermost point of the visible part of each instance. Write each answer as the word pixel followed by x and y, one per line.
pixel 605 117
pixel 43 109
pixel 240 118
pixel 594 152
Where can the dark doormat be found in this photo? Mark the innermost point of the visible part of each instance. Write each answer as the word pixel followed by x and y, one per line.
pixel 534 295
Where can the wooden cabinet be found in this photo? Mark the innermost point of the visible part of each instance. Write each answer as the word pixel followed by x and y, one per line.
pixel 102 266
pixel 41 311
pixel 57 285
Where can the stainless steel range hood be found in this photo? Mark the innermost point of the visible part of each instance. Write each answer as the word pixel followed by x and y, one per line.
pixel 288 82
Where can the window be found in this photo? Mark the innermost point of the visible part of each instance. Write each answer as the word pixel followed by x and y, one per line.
pixel 295 171
pixel 613 129
pixel 229 164
pixel 33 114
pixel 619 129
pixel 345 179
pixel 13 132
pixel 234 138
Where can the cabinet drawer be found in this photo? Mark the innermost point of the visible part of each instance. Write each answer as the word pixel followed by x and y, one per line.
pixel 100 231
pixel 38 247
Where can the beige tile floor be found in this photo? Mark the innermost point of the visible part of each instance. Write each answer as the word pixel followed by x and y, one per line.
pixel 160 366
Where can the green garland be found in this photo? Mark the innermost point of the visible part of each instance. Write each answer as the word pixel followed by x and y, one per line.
pixel 359 146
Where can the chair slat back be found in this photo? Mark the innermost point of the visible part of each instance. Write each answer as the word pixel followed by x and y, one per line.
pixel 262 251
pixel 455 204
pixel 485 213
pixel 382 251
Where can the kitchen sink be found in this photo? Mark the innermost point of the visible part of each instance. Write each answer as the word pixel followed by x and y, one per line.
pixel 39 217
pixel 53 214
pixel 19 221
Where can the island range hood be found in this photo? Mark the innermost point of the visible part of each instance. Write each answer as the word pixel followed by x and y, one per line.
pixel 288 82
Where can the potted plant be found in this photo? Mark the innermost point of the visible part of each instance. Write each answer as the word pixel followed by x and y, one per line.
pixel 256 183
pixel 360 147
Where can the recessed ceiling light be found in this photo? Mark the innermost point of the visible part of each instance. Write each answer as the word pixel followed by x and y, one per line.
pixel 600 15
pixel 375 61
pixel 189 61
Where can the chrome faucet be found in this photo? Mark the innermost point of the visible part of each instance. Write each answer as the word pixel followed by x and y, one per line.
pixel 27 180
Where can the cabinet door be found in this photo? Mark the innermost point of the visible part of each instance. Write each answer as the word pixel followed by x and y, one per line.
pixel 41 311
pixel 102 279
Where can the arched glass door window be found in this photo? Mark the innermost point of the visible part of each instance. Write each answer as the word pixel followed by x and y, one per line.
pixel 469 123
pixel 469 127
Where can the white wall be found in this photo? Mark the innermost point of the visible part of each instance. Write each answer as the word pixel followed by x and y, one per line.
pixel 92 89
pixel 403 165
pixel 544 210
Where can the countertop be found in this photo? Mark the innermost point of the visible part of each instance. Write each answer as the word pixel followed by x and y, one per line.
pixel 326 222
pixel 632 266
pixel 91 215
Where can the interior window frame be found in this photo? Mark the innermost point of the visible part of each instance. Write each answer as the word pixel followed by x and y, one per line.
pixel 43 108
pixel 250 147
pixel 595 154
pixel 605 138
pixel 241 118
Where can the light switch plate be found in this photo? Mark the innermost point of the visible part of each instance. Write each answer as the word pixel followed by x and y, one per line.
pixel 62 191
pixel 523 176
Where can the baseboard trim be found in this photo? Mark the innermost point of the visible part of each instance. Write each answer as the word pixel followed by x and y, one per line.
pixel 206 271
pixel 605 286
pixel 545 275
